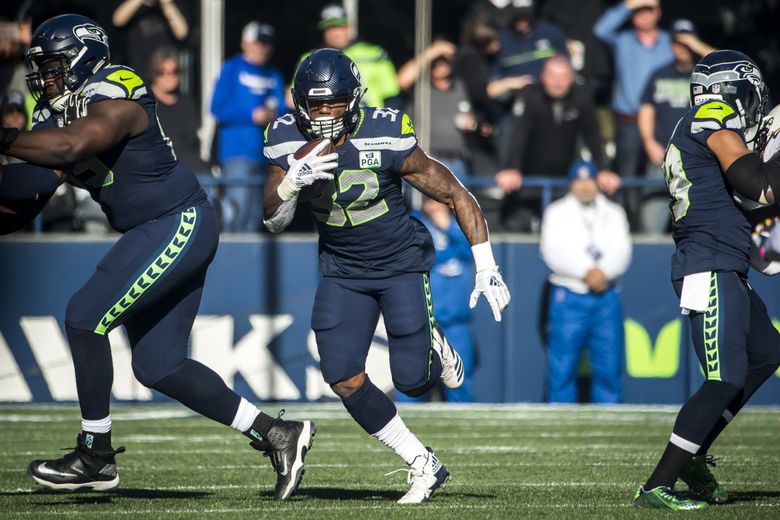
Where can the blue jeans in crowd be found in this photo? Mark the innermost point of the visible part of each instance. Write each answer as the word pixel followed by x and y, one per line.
pixel 242 206
pixel 578 321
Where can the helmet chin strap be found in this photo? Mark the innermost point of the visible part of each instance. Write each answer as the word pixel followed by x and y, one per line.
pixel 58 103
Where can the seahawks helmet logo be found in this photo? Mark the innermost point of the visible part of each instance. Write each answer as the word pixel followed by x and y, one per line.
pixel 749 72
pixel 355 71
pixel 90 31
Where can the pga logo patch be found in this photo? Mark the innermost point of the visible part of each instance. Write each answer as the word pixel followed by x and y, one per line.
pixel 372 159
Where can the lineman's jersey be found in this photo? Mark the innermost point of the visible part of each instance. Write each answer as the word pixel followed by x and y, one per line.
pixel 139 179
pixel 364 227
pixel 710 230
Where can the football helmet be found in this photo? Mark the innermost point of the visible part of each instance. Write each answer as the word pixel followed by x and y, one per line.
pixel 73 47
pixel 734 78
pixel 327 75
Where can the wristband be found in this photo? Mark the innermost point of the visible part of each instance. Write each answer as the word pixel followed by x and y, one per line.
pixel 483 256
pixel 7 136
pixel 287 190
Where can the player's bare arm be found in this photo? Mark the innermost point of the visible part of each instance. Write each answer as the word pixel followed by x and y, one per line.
pixel 271 199
pixel 436 181
pixel 107 124
pixel 744 169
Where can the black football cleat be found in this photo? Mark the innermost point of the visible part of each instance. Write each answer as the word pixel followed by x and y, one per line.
pixel 286 446
pixel 80 470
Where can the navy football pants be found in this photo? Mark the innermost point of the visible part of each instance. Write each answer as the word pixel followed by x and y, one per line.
pixel 151 282
pixel 344 319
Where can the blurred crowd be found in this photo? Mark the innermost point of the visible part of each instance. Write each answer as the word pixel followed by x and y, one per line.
pixel 527 91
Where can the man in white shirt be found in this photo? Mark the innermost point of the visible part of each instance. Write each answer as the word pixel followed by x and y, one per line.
pixel 586 244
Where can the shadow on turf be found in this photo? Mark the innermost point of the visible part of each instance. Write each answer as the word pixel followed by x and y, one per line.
pixel 76 497
pixel 751 496
pixel 331 493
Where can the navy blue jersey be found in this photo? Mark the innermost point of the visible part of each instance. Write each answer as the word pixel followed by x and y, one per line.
pixel 139 179
pixel 364 227
pixel 709 229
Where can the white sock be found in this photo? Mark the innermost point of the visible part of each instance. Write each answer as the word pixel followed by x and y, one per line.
pixel 96 426
pixel 245 416
pixel 396 436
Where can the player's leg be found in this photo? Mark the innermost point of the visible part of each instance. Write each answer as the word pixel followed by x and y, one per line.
pixel 763 350
pixel 159 338
pixel 569 316
pixel 129 276
pixel 460 333
pixel 719 336
pixel 605 347
pixel 419 356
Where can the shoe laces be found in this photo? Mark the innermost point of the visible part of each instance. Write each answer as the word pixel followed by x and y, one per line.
pixel 411 473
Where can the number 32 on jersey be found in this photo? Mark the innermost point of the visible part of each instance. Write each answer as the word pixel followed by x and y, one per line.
pixel 350 199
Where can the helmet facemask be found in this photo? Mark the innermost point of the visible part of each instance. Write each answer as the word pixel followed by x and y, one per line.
pixel 329 127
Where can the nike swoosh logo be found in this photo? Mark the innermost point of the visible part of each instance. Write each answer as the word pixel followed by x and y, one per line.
pixel 125 79
pixel 42 469
pixel 286 469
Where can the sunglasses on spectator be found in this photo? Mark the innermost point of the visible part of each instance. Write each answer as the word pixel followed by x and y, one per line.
pixel 168 72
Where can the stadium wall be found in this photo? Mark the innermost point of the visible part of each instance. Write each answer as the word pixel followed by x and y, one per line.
pixel 253 326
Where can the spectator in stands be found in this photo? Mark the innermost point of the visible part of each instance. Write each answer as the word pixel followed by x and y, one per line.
pixel 588 55
pixel 14 39
pixel 176 110
pixel 377 71
pixel 586 244
pixel 544 141
pixel 249 93
pixel 665 100
pixel 638 52
pixel 526 43
pixel 12 115
pixel 451 116
pixel 451 283
pixel 149 25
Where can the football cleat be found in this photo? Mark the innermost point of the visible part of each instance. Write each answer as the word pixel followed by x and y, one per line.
pixel 452 372
pixel 664 497
pixel 425 475
pixel 701 481
pixel 286 445
pixel 80 470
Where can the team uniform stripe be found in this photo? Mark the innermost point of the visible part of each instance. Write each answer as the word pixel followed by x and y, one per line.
pixel 710 330
pixel 154 271
pixel 431 320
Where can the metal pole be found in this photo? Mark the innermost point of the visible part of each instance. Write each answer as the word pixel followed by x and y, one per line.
pixel 422 88
pixel 212 21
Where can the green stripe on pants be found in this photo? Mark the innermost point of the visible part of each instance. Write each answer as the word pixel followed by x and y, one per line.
pixel 153 272
pixel 431 320
pixel 711 318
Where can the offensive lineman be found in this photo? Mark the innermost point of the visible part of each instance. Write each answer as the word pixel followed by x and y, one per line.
pixel 707 162
pixel 98 122
pixel 373 256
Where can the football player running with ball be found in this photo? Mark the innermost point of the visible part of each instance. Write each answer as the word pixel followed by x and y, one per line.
pixel 707 166
pixel 98 122
pixel 373 256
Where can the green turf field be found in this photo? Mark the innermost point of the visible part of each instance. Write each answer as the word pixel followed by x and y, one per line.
pixel 506 462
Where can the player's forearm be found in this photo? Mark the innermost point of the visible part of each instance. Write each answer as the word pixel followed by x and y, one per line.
pixel 754 179
pixel 469 216
pixel 49 147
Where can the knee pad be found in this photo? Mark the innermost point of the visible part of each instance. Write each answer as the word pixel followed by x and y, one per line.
pixel 149 372
pixel 79 313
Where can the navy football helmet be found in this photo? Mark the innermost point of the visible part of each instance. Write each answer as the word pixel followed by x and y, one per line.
pixel 73 47
pixel 732 77
pixel 327 75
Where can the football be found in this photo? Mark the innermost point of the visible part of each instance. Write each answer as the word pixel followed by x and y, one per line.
pixel 313 191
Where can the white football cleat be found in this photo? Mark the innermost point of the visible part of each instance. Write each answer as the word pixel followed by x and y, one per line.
pixel 425 475
pixel 452 373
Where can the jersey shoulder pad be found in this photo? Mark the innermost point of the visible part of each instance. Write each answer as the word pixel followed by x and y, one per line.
pixel 115 82
pixel 282 138
pixel 41 113
pixel 384 128
pixel 715 115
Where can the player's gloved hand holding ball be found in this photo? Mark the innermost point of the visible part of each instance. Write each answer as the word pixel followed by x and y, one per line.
pixel 308 169
pixel 488 281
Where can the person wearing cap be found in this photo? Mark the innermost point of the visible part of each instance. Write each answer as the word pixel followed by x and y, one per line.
pixel 376 69
pixel 664 101
pixel 586 245
pixel 248 94
pixel 637 52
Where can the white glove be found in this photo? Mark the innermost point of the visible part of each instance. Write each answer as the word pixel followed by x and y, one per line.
pixel 307 170
pixel 490 283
